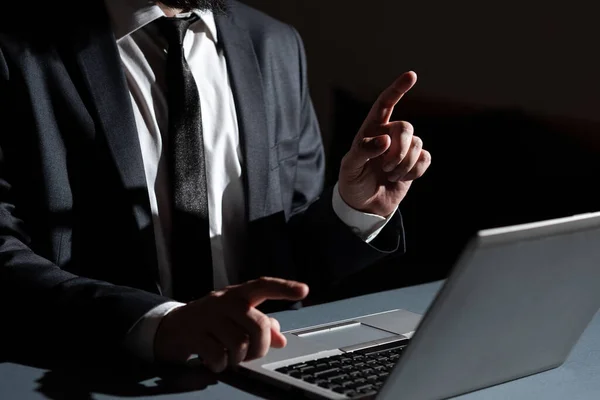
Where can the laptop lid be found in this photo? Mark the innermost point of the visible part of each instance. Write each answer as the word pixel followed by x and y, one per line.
pixel 515 304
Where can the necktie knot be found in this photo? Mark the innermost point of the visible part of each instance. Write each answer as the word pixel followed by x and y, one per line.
pixel 174 29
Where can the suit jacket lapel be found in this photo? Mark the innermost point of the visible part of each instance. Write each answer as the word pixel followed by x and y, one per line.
pixel 247 90
pixel 98 58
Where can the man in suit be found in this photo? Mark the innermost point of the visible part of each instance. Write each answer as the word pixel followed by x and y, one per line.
pixel 158 159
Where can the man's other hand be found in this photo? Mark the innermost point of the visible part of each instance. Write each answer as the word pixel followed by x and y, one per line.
pixel 385 157
pixel 224 328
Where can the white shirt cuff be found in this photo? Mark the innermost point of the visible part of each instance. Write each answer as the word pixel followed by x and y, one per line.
pixel 140 338
pixel 364 225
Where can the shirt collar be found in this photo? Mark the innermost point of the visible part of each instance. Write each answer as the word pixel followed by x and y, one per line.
pixel 127 16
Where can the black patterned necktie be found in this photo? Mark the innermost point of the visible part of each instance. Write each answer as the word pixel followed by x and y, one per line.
pixel 190 249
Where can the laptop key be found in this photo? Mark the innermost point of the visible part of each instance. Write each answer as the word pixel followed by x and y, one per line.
pixel 305 370
pixel 368 392
pixel 323 369
pixel 299 366
pixel 364 387
pixel 335 386
pixel 327 373
pixel 340 377
pixel 326 384
pixel 295 373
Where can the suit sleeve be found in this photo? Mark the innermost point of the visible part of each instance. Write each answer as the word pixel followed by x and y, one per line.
pixel 326 249
pixel 44 302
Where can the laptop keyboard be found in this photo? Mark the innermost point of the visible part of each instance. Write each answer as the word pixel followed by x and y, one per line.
pixel 354 374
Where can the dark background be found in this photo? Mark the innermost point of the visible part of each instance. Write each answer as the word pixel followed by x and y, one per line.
pixel 507 103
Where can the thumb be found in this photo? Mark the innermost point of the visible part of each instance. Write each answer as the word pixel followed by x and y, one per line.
pixel 277 339
pixel 369 147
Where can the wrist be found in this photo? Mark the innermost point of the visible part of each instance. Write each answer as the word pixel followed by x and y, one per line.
pixel 165 341
pixel 371 206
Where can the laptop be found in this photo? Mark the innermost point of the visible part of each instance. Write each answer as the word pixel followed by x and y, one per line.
pixel 515 304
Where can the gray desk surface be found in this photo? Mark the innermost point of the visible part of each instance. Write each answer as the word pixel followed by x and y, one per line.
pixel 578 378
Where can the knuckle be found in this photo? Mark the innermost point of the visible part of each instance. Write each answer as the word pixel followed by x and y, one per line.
pixel 406 127
pixel 258 282
pixel 241 341
pixel 274 323
pixel 244 345
pixel 400 156
pixel 263 323
pixel 228 289
pixel 417 142
pixel 211 300
pixel 240 352
pixel 216 294
pixel 363 144
pixel 426 157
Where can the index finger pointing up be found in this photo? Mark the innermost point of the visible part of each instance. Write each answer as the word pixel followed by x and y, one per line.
pixel 381 111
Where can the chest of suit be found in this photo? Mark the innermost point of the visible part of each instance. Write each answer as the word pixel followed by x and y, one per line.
pixel 76 164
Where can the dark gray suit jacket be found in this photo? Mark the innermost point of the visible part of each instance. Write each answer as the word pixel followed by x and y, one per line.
pixel 77 252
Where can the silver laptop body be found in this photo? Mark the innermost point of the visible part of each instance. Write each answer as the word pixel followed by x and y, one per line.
pixel 515 304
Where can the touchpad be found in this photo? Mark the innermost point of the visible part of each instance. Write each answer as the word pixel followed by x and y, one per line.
pixel 346 334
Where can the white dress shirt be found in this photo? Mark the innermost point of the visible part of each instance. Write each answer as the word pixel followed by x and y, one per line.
pixel 143 53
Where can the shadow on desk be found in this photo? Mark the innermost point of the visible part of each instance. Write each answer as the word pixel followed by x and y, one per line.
pixel 79 379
